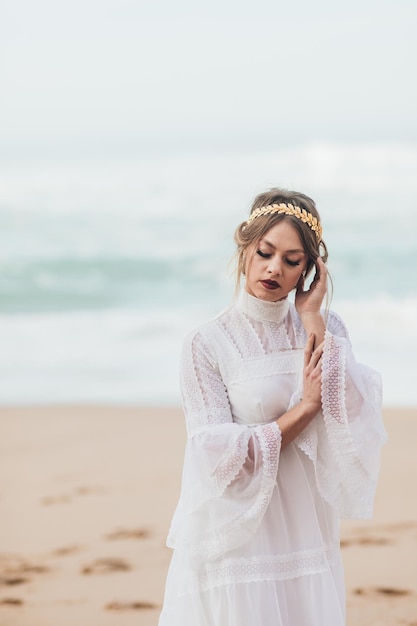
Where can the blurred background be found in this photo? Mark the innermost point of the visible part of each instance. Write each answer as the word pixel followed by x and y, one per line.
pixel 133 138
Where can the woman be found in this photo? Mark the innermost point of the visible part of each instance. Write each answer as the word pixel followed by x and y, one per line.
pixel 284 433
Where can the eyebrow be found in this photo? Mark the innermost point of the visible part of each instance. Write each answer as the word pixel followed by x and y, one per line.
pixel 271 245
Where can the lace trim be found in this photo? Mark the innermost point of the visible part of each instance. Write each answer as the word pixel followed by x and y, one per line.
pixel 273 336
pixel 299 330
pixel 258 569
pixel 230 464
pixel 241 334
pixel 307 441
pixel 204 393
pixel 279 337
pixel 334 379
pixel 269 437
pixel 334 411
pixel 288 362
pixel 336 326
pixel 354 475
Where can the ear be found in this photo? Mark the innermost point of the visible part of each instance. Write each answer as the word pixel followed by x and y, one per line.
pixel 247 260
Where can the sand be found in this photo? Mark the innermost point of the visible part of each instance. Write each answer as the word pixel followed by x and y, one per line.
pixel 86 497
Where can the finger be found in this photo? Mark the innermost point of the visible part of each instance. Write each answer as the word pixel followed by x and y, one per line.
pixel 320 346
pixel 308 351
pixel 321 264
pixel 316 356
pixel 321 269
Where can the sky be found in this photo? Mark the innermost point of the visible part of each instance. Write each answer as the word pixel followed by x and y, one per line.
pixel 118 74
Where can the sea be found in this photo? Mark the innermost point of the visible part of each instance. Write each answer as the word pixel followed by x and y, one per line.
pixel 107 262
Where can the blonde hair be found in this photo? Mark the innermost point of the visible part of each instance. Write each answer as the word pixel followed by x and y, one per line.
pixel 247 235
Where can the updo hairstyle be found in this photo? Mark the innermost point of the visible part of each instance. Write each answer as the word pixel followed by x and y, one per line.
pixel 248 235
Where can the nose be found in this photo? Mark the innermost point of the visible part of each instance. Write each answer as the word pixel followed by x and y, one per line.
pixel 274 266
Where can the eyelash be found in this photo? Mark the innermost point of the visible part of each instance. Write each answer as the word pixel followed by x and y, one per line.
pixel 265 255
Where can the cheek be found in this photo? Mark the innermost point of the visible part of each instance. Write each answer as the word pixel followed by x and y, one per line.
pixel 296 279
pixel 297 275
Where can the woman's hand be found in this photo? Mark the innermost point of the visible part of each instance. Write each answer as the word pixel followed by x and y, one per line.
pixel 293 422
pixel 309 302
pixel 312 375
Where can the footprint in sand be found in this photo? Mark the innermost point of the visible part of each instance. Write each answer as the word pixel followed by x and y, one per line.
pixel 67 550
pixel 83 490
pixel 14 571
pixel 30 568
pixel 384 534
pixel 106 566
pixel 365 541
pixel 126 533
pixel 13 580
pixel 63 499
pixel 385 591
pixel 129 606
pixel 86 490
pixel 11 601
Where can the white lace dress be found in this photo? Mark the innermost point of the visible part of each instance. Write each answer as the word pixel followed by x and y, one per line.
pixel 256 531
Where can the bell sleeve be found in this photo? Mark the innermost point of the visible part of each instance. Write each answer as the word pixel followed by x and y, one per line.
pixel 345 441
pixel 229 469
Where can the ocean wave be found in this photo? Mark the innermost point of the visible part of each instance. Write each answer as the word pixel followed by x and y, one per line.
pixel 131 357
pixel 104 266
pixel 70 284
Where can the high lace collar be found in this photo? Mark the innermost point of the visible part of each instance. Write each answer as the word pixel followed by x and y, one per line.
pixel 261 309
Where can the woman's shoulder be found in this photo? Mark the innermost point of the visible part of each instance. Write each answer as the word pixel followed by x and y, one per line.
pixel 205 342
pixel 204 331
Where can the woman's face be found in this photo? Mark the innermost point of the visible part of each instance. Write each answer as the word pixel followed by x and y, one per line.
pixel 274 266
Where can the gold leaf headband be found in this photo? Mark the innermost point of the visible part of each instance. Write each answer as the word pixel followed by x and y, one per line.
pixel 289 209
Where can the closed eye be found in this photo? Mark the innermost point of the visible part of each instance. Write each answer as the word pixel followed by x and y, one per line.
pixel 293 263
pixel 264 255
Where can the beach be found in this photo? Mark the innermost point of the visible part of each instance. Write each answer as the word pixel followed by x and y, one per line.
pixel 87 494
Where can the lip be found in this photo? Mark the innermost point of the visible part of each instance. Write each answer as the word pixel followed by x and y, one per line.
pixel 270 284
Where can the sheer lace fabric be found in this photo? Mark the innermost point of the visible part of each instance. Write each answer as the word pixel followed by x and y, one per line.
pixel 249 513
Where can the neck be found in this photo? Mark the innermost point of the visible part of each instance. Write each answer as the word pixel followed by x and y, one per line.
pixel 262 310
